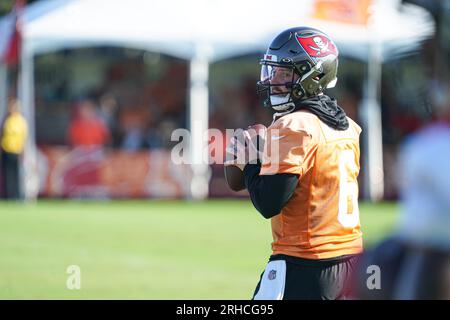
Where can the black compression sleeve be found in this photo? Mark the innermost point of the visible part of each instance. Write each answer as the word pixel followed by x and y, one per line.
pixel 269 193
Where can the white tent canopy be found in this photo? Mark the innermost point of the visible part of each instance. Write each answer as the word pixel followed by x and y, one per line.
pixel 201 31
pixel 231 27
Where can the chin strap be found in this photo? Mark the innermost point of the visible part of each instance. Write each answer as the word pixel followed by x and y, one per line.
pixel 280 114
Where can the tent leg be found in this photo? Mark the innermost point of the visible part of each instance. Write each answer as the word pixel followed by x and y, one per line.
pixel 198 125
pixel 29 174
pixel 3 90
pixel 373 155
pixel 371 118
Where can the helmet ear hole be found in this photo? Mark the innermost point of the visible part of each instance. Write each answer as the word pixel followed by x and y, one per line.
pixel 302 68
pixel 297 93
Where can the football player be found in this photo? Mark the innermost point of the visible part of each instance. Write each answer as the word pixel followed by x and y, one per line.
pixel 308 187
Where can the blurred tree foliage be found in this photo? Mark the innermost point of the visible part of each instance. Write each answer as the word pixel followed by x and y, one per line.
pixel 7 5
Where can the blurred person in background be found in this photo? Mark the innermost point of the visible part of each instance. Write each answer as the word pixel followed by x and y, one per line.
pixel 87 129
pixel 13 137
pixel 132 122
pixel 158 133
pixel 414 262
pixel 109 112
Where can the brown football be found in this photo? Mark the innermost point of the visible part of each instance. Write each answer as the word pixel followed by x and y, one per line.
pixel 234 177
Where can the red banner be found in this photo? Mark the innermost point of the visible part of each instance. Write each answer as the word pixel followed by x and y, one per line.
pixel 95 173
pixel 12 51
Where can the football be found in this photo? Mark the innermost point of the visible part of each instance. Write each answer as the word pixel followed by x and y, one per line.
pixel 234 176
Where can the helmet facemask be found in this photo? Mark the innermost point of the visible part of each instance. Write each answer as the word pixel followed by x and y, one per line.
pixel 278 86
pixel 292 83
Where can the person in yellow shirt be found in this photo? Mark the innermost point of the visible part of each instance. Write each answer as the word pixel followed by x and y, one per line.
pixel 13 136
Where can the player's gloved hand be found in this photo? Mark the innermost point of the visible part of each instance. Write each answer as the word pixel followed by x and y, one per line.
pixel 236 151
pixel 246 146
pixel 255 137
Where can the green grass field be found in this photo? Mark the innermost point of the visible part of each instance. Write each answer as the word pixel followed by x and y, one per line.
pixel 143 249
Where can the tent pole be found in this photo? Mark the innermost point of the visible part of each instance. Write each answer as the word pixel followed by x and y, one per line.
pixel 29 174
pixel 371 116
pixel 3 90
pixel 198 123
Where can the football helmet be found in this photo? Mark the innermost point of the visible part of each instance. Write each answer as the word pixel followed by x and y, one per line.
pixel 300 63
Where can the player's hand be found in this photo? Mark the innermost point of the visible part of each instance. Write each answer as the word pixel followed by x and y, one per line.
pixel 246 146
pixel 236 151
pixel 256 137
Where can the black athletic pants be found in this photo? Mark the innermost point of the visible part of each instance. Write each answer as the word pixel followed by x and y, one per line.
pixel 10 175
pixel 304 279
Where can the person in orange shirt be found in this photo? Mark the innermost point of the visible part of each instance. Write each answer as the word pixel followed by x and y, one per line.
pixel 305 181
pixel 87 129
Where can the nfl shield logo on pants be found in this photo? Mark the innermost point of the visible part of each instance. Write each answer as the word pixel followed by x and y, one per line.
pixel 272 274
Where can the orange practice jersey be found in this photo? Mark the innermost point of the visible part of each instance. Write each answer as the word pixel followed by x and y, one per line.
pixel 321 220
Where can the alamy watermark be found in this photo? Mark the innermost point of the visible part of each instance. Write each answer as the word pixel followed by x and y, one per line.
pixel 73 281
pixel 231 146
pixel 374 279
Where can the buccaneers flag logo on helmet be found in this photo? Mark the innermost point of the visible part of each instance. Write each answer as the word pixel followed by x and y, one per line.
pixel 318 46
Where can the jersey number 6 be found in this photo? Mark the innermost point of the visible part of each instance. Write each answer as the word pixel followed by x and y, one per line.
pixel 348 215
